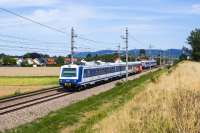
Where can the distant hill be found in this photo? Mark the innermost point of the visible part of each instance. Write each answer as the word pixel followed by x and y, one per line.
pixel 174 53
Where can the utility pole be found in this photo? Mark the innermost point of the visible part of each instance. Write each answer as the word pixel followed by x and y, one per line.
pixel 126 53
pixel 72 45
pixel 160 58
pixel 119 51
pixel 135 55
pixel 150 56
pixel 164 57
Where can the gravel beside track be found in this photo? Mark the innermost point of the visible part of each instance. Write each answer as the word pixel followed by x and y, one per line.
pixel 22 116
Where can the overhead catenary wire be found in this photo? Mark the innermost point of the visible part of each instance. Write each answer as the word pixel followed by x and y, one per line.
pixel 26 43
pixel 33 40
pixel 34 21
pixel 83 37
pixel 136 40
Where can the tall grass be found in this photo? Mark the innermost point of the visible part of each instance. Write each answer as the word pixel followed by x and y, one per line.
pixel 169 105
pixel 26 81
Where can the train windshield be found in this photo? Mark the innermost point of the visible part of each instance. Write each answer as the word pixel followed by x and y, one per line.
pixel 69 72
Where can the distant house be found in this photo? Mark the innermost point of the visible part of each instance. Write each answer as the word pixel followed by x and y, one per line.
pixel 117 60
pixel 19 61
pixel 66 60
pixel 50 60
pixel 138 59
pixel 43 61
pixel 30 61
pixel 37 61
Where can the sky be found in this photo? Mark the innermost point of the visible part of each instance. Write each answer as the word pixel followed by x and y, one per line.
pixel 98 24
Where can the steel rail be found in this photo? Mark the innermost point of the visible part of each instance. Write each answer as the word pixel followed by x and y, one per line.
pixel 7 99
pixel 12 110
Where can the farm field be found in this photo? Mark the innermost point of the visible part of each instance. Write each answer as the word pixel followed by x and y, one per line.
pixel 10 90
pixel 24 79
pixel 29 71
pixel 11 85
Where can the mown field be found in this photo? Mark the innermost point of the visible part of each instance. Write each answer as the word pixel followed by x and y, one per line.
pixel 83 115
pixel 29 71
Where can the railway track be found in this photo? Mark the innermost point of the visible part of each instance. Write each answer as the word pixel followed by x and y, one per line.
pixel 27 103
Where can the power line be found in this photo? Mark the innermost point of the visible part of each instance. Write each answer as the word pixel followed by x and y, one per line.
pixel 34 21
pixel 136 40
pixel 34 40
pixel 25 43
pixel 92 40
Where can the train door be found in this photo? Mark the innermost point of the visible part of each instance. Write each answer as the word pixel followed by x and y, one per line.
pixel 89 74
pixel 92 74
pixel 84 75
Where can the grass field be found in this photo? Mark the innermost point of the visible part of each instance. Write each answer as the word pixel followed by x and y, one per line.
pixel 27 81
pixel 170 104
pixel 15 85
pixel 29 71
pixel 82 115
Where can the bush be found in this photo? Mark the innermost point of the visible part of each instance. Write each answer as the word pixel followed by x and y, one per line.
pixel 23 64
pixel 50 65
pixel 119 84
pixel 58 65
pixel 1 63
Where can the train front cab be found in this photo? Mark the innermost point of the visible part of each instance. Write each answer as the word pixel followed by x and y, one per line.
pixel 70 76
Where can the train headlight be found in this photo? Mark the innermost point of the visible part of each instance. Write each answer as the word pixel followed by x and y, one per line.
pixel 61 80
pixel 74 80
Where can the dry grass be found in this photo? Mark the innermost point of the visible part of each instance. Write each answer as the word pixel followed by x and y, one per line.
pixel 29 71
pixel 169 105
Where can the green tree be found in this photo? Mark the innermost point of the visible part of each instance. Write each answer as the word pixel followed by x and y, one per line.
pixel 34 55
pixel 6 60
pixel 182 57
pixel 88 55
pixel 23 64
pixel 60 60
pixel 2 55
pixel 69 56
pixel 142 51
pixel 27 55
pixel 194 41
pixel 26 62
pixel 1 63
pixel 12 61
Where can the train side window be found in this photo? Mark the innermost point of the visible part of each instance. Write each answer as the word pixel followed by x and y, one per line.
pixel 103 71
pixel 88 73
pixel 92 72
pixel 81 72
pixel 100 71
pixel 84 73
pixel 95 72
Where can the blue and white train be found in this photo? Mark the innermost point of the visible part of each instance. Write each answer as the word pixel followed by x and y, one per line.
pixel 146 64
pixel 79 76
